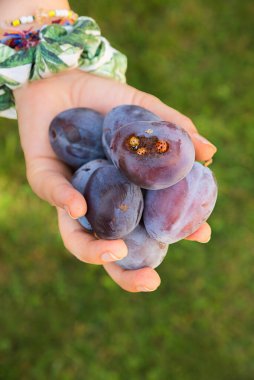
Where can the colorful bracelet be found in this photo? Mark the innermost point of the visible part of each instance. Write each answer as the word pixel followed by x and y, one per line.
pixel 43 16
pixel 36 54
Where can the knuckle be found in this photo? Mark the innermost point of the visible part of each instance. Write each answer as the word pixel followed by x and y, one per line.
pixel 79 82
pixel 76 250
pixel 140 277
pixel 188 123
pixel 32 179
pixel 67 244
pixel 187 120
pixel 81 256
pixel 143 99
pixel 55 190
pixel 29 176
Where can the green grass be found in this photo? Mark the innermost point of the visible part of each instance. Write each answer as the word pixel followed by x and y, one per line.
pixel 60 319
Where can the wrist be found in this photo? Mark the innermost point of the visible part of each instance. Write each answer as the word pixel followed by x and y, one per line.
pixel 12 9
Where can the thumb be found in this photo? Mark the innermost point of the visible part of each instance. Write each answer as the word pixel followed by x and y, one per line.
pixel 49 180
pixel 48 176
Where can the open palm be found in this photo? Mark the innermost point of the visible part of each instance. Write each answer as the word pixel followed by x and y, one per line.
pixel 37 104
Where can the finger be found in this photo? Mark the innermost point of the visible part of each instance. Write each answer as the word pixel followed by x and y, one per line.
pixel 48 178
pixel 140 280
pixel 204 149
pixel 84 246
pixel 202 235
pixel 105 99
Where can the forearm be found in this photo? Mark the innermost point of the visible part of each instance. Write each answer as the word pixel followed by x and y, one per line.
pixel 12 9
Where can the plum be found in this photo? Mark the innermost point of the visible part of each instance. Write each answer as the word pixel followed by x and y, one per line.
pixel 153 154
pixel 80 179
pixel 120 116
pixel 143 251
pixel 174 213
pixel 75 136
pixel 115 205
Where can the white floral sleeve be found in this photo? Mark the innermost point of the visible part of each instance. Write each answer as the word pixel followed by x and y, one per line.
pixel 58 47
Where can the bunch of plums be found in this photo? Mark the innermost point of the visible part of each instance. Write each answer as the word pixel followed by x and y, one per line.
pixel 139 177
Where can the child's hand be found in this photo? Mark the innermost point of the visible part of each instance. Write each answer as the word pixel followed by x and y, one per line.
pixel 37 104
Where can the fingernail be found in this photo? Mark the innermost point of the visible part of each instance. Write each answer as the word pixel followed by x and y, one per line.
pixel 108 257
pixel 144 289
pixel 207 240
pixel 204 141
pixel 69 213
pixel 208 162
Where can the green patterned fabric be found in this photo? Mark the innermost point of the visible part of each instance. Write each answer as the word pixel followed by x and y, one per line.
pixel 61 47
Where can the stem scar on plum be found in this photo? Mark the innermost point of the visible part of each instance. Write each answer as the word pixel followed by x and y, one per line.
pixel 123 207
pixel 142 145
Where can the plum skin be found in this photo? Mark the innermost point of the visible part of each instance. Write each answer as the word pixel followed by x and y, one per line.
pixel 114 204
pixel 147 165
pixel 79 181
pixel 75 136
pixel 174 213
pixel 143 251
pixel 120 116
pixel 82 175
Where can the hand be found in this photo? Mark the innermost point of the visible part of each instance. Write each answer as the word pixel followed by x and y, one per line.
pixel 37 104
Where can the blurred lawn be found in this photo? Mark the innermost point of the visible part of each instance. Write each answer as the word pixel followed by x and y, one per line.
pixel 60 319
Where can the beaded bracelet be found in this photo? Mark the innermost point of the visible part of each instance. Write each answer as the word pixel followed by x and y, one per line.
pixel 41 16
pixel 29 55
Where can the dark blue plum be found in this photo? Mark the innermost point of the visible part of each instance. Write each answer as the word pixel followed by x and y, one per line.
pixel 75 136
pixel 82 175
pixel 120 116
pixel 80 179
pixel 143 251
pixel 152 154
pixel 174 213
pixel 114 204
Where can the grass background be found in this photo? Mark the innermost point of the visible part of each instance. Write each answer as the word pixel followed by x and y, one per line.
pixel 64 320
